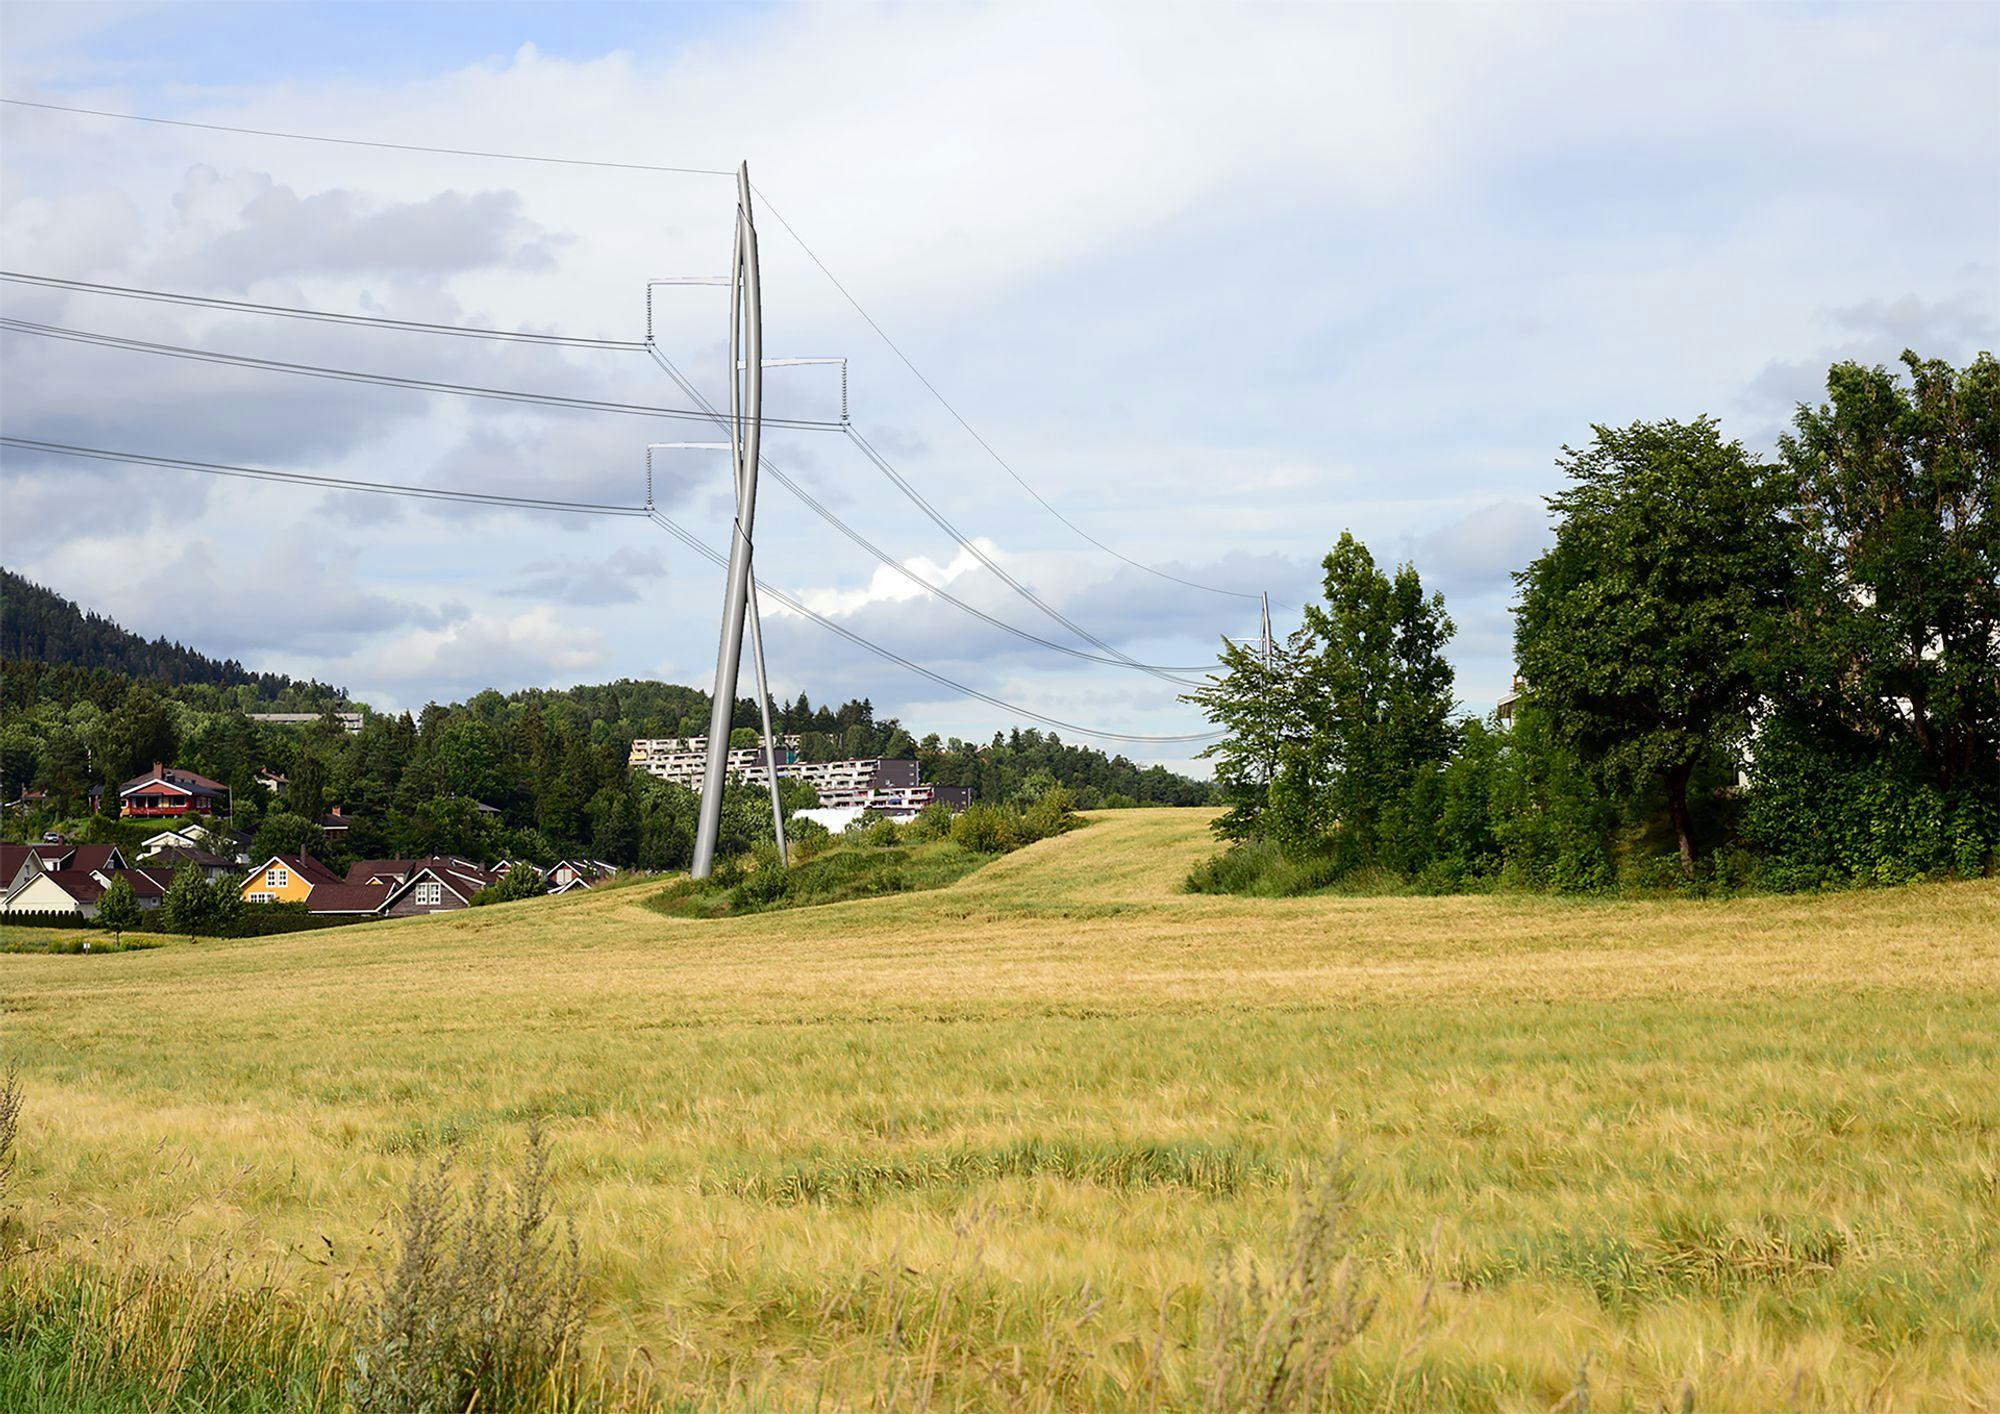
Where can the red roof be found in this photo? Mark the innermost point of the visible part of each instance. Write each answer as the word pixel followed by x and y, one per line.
pixel 176 778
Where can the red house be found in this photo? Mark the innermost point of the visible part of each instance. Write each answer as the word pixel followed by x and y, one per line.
pixel 166 791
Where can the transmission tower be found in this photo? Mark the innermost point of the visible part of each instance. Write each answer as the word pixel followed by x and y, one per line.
pixel 746 426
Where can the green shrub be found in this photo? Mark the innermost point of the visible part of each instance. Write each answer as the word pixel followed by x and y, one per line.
pixel 1261 869
pixel 485 1304
pixel 1821 817
pixel 879 832
pixel 806 839
pixel 521 881
pixel 933 822
pixel 766 881
pixel 1051 814
pixel 986 829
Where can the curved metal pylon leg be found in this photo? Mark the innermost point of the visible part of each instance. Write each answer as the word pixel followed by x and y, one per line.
pixel 746 416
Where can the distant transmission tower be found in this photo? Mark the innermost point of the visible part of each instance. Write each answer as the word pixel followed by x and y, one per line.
pixel 1265 644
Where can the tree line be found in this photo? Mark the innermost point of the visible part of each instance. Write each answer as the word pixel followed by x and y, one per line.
pixel 43 626
pixel 538 774
pixel 1735 671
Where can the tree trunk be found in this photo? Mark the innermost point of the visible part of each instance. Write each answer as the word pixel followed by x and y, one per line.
pixel 1677 809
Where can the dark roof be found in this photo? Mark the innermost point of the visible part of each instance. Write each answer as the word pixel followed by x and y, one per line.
pixel 467 873
pixel 79 884
pixel 169 859
pixel 347 898
pixel 476 876
pixel 64 856
pixel 461 876
pixel 304 865
pixel 146 883
pixel 92 856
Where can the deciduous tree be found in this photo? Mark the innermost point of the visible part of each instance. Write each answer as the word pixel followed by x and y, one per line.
pixel 1642 632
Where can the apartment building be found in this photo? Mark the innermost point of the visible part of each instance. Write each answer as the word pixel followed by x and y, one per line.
pixel 881 784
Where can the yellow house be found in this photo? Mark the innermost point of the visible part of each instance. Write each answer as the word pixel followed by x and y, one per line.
pixel 286 878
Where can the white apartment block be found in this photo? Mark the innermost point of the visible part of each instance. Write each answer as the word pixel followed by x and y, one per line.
pixel 886 786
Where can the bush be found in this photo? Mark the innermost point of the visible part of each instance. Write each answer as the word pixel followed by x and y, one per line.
pixel 521 881
pixel 766 881
pixel 1261 869
pixel 933 822
pixel 986 829
pixel 806 839
pixel 1051 814
pixel 878 831
pixel 1822 818
pixel 484 1305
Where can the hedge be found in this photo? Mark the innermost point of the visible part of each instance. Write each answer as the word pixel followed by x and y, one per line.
pixel 254 924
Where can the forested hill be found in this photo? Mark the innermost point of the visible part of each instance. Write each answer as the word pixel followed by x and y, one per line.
pixel 84 702
pixel 39 624
pixel 616 713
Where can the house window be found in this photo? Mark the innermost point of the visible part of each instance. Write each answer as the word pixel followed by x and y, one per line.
pixel 263 898
pixel 277 878
pixel 430 895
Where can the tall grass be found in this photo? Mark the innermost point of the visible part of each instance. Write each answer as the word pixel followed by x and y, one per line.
pixel 1274 1333
pixel 77 1334
pixel 985 1146
pixel 484 1305
pixel 482 1309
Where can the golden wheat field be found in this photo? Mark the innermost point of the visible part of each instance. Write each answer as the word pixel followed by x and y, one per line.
pixel 987 1146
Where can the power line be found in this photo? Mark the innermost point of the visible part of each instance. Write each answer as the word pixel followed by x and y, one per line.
pixel 331 483
pixel 811 254
pixel 889 655
pixel 363 142
pixel 826 514
pixel 283 311
pixel 530 503
pixel 945 403
pixel 695 171
pixel 923 504
pixel 387 380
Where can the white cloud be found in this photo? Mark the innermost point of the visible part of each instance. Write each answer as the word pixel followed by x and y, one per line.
pixel 1219 282
pixel 539 647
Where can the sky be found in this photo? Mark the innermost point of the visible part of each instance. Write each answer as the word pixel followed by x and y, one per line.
pixel 1217 282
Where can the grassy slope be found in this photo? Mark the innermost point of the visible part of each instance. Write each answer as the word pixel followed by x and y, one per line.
pixel 989 1137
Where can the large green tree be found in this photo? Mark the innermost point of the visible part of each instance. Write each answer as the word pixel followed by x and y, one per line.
pixel 1643 631
pixel 1345 723
pixel 1899 499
